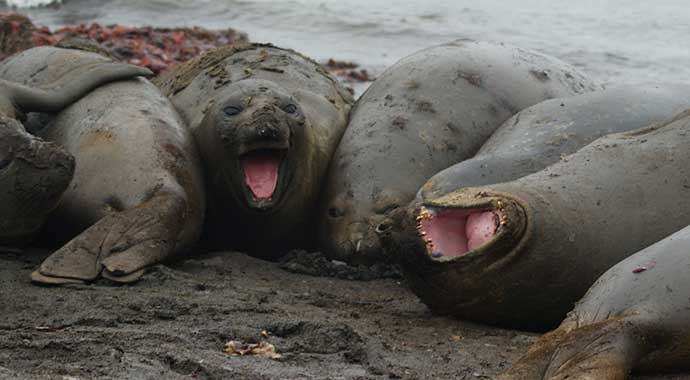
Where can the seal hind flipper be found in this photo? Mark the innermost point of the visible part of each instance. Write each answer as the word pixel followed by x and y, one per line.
pixel 605 350
pixel 70 87
pixel 120 245
pixel 38 278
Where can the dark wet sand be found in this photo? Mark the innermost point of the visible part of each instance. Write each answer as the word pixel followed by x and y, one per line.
pixel 174 323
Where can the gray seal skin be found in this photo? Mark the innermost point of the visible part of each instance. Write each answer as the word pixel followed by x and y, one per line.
pixel 635 317
pixel 520 253
pixel 540 135
pixel 267 121
pixel 430 110
pixel 137 194
pixel 34 173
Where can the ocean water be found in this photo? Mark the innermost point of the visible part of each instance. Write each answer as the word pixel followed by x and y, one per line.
pixel 615 41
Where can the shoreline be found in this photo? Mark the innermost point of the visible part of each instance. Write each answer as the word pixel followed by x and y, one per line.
pixel 155 48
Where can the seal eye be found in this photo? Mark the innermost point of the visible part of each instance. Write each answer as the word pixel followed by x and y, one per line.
pixel 232 110
pixel 5 161
pixel 290 108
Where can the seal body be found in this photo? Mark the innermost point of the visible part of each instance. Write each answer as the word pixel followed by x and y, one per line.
pixel 635 317
pixel 266 121
pixel 428 111
pixel 541 135
pixel 34 173
pixel 137 194
pixel 479 252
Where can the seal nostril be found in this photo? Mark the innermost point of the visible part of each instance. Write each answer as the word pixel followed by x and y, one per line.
pixel 383 227
pixel 335 212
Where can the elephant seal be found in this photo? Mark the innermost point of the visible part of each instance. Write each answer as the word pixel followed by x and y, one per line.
pixel 34 173
pixel 539 136
pixel 474 253
pixel 635 317
pixel 266 121
pixel 137 194
pixel 430 110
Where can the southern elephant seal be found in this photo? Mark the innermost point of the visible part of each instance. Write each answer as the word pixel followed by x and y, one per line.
pixel 430 110
pixel 137 193
pixel 635 317
pixel 542 240
pixel 266 121
pixel 34 173
pixel 541 135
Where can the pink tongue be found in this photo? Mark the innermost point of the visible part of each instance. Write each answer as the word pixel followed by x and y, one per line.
pixel 480 228
pixel 261 173
pixel 455 232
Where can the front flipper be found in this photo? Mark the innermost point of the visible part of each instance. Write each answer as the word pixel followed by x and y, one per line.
pixel 69 88
pixel 120 245
pixel 605 350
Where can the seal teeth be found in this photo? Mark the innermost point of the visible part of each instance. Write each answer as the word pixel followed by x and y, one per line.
pixel 424 214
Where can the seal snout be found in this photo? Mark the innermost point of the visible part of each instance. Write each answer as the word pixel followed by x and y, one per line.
pixel 265 148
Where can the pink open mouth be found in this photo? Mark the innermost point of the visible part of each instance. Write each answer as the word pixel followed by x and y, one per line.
pixel 455 232
pixel 261 170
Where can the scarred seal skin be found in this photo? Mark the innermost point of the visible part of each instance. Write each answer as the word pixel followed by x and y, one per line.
pixel 635 317
pixel 541 135
pixel 34 173
pixel 520 253
pixel 267 121
pixel 430 110
pixel 137 194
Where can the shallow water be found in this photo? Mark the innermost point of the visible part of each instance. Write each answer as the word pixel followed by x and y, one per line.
pixel 629 41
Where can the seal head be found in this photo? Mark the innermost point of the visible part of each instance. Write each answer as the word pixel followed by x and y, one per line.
pixel 249 137
pixel 460 241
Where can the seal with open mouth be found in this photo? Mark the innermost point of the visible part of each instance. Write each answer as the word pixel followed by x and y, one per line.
pixel 521 253
pixel 427 112
pixel 137 194
pixel 34 173
pixel 635 317
pixel 266 121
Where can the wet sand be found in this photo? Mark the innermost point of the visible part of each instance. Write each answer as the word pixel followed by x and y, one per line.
pixel 175 323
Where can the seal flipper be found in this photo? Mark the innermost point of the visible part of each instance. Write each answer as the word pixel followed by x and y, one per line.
pixel 69 88
pixel 605 350
pixel 120 245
